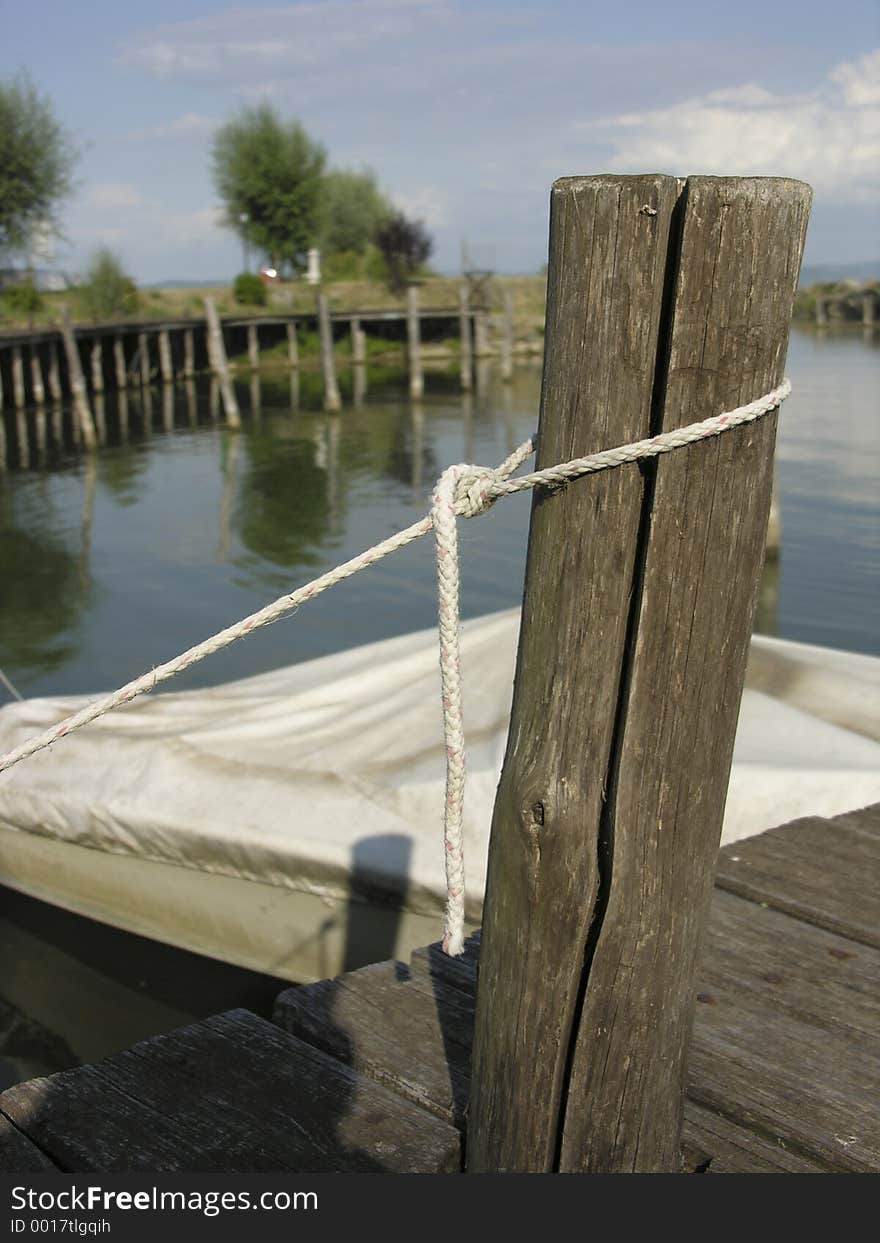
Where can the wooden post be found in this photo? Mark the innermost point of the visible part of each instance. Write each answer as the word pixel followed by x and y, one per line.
pixel 83 415
pixel 144 357
pixel 189 354
pixel 292 347
pixel 466 350
pixel 507 338
pixel 821 310
pixel 168 407
pixel 166 369
pixel 358 343
pixel 18 395
pixel 253 345
pixel 54 372
pixel 481 334
pixel 332 400
pixel 119 362
pixel 100 418
pixel 219 365
pixel 97 361
pixel 37 386
pixel 665 301
pixel 414 343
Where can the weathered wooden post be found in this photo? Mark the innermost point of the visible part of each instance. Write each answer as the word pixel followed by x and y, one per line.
pixel 54 372
pixel 18 394
pixel 83 415
pixel 119 362
pixel 506 337
pixel 37 387
pixel 166 369
pixel 292 346
pixel 667 301
pixel 481 333
pixel 97 361
pixel 189 354
pixel 358 343
pixel 253 345
pixel 466 351
pixel 414 343
pixel 332 400
pixel 144 358
pixel 219 365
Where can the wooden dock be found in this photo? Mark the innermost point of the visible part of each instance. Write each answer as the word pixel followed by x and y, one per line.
pixel 371 1071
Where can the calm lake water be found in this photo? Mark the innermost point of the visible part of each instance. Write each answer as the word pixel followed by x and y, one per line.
pixel 175 528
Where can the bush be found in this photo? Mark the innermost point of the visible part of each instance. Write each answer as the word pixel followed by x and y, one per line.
pixel 107 290
pixel 23 299
pixel 405 245
pixel 249 289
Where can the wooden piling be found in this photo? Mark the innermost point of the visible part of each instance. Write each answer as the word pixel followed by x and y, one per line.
pixel 292 346
pixel 166 369
pixel 665 302
pixel 119 362
pixel 482 348
pixel 97 365
pixel 332 400
pixel 253 345
pixel 358 343
pixel 189 354
pixel 18 393
pixel 507 337
pixel 37 387
pixel 220 366
pixel 82 412
pixel 414 344
pixel 466 350
pixel 144 359
pixel 54 372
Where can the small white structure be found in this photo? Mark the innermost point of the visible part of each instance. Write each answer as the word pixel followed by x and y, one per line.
pixel 313 272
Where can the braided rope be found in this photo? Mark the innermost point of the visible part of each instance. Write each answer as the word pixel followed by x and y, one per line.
pixel 461 491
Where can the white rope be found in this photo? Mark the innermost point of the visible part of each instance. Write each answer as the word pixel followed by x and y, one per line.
pixel 461 491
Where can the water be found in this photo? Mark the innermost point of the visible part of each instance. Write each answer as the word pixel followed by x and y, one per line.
pixel 175 528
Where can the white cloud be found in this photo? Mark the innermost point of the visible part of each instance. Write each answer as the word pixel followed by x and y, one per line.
pixel 188 125
pixel 829 136
pixel 427 203
pixel 113 196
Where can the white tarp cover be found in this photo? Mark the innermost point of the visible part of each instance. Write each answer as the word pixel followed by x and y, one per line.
pixel 280 778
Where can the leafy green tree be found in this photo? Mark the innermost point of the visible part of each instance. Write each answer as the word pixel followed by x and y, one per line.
pixel 269 175
pixel 249 290
pixel 107 290
pixel 36 164
pixel 353 210
pixel 405 246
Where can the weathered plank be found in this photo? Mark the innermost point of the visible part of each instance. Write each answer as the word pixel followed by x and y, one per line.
pixel 712 1144
pixel 233 1093
pixel 791 966
pixel 414 1036
pixel 18 1155
pixel 695 592
pixel 814 869
pixel 605 291
pixel 432 965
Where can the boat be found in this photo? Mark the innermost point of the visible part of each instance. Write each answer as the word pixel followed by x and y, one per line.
pixel 291 822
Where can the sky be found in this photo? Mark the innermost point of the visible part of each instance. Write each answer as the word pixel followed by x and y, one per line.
pixel 467 110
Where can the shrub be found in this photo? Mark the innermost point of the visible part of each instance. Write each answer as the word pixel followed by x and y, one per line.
pixel 23 299
pixel 107 290
pixel 249 289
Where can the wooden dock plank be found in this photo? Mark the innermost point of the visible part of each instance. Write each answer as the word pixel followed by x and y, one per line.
pixel 411 1035
pixel 715 1145
pixel 18 1155
pixel 231 1093
pixel 817 870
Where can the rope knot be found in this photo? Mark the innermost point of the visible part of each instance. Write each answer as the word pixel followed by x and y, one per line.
pixel 473 491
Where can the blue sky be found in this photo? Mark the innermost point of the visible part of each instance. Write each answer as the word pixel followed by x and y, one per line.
pixel 466 111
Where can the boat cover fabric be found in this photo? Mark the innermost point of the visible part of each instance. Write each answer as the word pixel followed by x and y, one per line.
pixel 292 777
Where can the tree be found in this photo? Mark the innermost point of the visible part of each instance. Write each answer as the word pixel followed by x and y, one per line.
pixel 36 165
pixel 268 173
pixel 107 290
pixel 405 246
pixel 353 210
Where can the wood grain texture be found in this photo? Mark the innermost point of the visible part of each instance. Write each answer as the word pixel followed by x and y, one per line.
pixel 605 292
pixel 414 1036
pixel 814 869
pixel 712 1144
pixel 740 244
pixel 233 1093
pixel 18 1155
